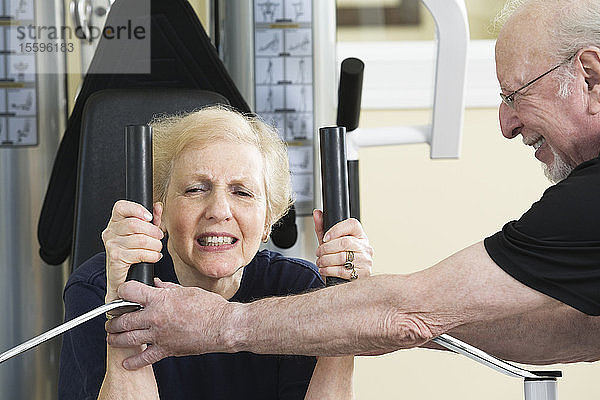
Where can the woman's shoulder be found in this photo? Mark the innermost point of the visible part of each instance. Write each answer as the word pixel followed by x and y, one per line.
pixel 91 272
pixel 273 258
pixel 273 261
pixel 272 274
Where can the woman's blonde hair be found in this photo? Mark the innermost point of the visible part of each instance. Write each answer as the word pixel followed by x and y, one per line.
pixel 173 133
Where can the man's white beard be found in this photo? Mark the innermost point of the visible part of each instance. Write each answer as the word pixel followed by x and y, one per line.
pixel 558 170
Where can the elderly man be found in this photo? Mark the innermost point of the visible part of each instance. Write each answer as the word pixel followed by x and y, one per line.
pixel 535 284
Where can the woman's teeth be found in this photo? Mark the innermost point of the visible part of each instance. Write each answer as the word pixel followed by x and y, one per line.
pixel 215 240
pixel 539 143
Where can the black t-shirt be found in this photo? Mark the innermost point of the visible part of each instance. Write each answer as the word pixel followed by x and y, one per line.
pixel 208 376
pixel 554 247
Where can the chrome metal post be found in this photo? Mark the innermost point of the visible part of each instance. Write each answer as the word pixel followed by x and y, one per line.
pixel 536 389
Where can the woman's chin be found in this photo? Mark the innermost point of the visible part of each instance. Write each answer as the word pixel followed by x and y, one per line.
pixel 219 274
pixel 217 269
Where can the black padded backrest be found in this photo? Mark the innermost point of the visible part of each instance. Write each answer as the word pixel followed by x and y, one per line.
pixel 181 56
pixel 101 167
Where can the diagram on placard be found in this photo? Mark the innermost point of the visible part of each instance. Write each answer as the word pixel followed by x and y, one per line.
pixel 269 43
pixel 301 75
pixel 268 11
pixel 298 98
pixel 298 10
pixel 269 71
pixel 22 131
pixel 18 94
pixel 303 186
pixel 283 82
pixel 301 159
pixel 21 67
pixel 21 9
pixel 298 42
pixel 3 132
pixel 298 70
pixel 269 99
pixel 301 45
pixel 3 97
pixel 298 127
pixel 21 101
pixel 276 120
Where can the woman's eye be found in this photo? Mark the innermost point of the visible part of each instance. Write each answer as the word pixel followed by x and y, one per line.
pixel 243 193
pixel 196 189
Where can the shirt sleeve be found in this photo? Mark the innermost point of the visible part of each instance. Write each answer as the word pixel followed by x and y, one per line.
pixel 554 247
pixel 83 354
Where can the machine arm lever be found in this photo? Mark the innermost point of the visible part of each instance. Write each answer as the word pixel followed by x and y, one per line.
pixel 138 182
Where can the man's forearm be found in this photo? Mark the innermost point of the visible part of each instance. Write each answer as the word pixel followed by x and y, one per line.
pixel 559 334
pixel 466 292
pixel 341 320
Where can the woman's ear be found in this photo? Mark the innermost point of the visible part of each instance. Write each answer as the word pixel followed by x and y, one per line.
pixel 266 233
pixel 590 61
pixel 158 220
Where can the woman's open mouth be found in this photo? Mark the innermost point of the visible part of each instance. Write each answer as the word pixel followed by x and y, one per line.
pixel 216 240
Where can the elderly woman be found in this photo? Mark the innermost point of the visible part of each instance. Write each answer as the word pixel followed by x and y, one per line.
pixel 220 182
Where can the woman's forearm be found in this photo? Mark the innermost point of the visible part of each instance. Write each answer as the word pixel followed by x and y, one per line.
pixel 332 379
pixel 125 385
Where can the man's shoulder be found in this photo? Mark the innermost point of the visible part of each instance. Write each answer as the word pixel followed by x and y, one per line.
pixel 567 211
pixel 588 169
pixel 582 184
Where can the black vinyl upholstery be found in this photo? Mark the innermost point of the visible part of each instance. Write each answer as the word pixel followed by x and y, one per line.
pixel 181 56
pixel 101 166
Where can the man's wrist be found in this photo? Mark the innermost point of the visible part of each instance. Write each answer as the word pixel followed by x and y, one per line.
pixel 236 333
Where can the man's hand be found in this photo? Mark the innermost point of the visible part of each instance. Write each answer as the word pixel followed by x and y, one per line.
pixel 175 321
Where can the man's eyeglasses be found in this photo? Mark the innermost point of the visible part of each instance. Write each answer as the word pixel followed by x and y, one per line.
pixel 509 99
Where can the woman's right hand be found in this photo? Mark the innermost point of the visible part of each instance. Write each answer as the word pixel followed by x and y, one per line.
pixel 130 238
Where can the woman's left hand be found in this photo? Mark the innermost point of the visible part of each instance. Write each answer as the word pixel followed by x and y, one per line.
pixel 344 250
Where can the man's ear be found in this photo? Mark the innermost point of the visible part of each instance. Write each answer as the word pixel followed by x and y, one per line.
pixel 590 61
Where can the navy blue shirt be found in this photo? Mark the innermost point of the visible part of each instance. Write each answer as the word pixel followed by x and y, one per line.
pixel 208 376
pixel 554 247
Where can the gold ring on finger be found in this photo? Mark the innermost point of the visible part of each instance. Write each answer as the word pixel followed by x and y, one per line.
pixel 348 265
pixel 349 256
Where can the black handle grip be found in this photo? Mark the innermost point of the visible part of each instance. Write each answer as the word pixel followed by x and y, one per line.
pixel 349 98
pixel 354 188
pixel 350 93
pixel 334 179
pixel 138 184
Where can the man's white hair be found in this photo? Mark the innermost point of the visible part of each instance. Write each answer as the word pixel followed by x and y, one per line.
pixel 574 25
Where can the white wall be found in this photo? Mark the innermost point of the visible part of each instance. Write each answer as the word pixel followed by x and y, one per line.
pixel 418 211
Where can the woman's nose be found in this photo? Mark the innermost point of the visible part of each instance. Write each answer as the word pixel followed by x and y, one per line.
pixel 510 124
pixel 218 206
